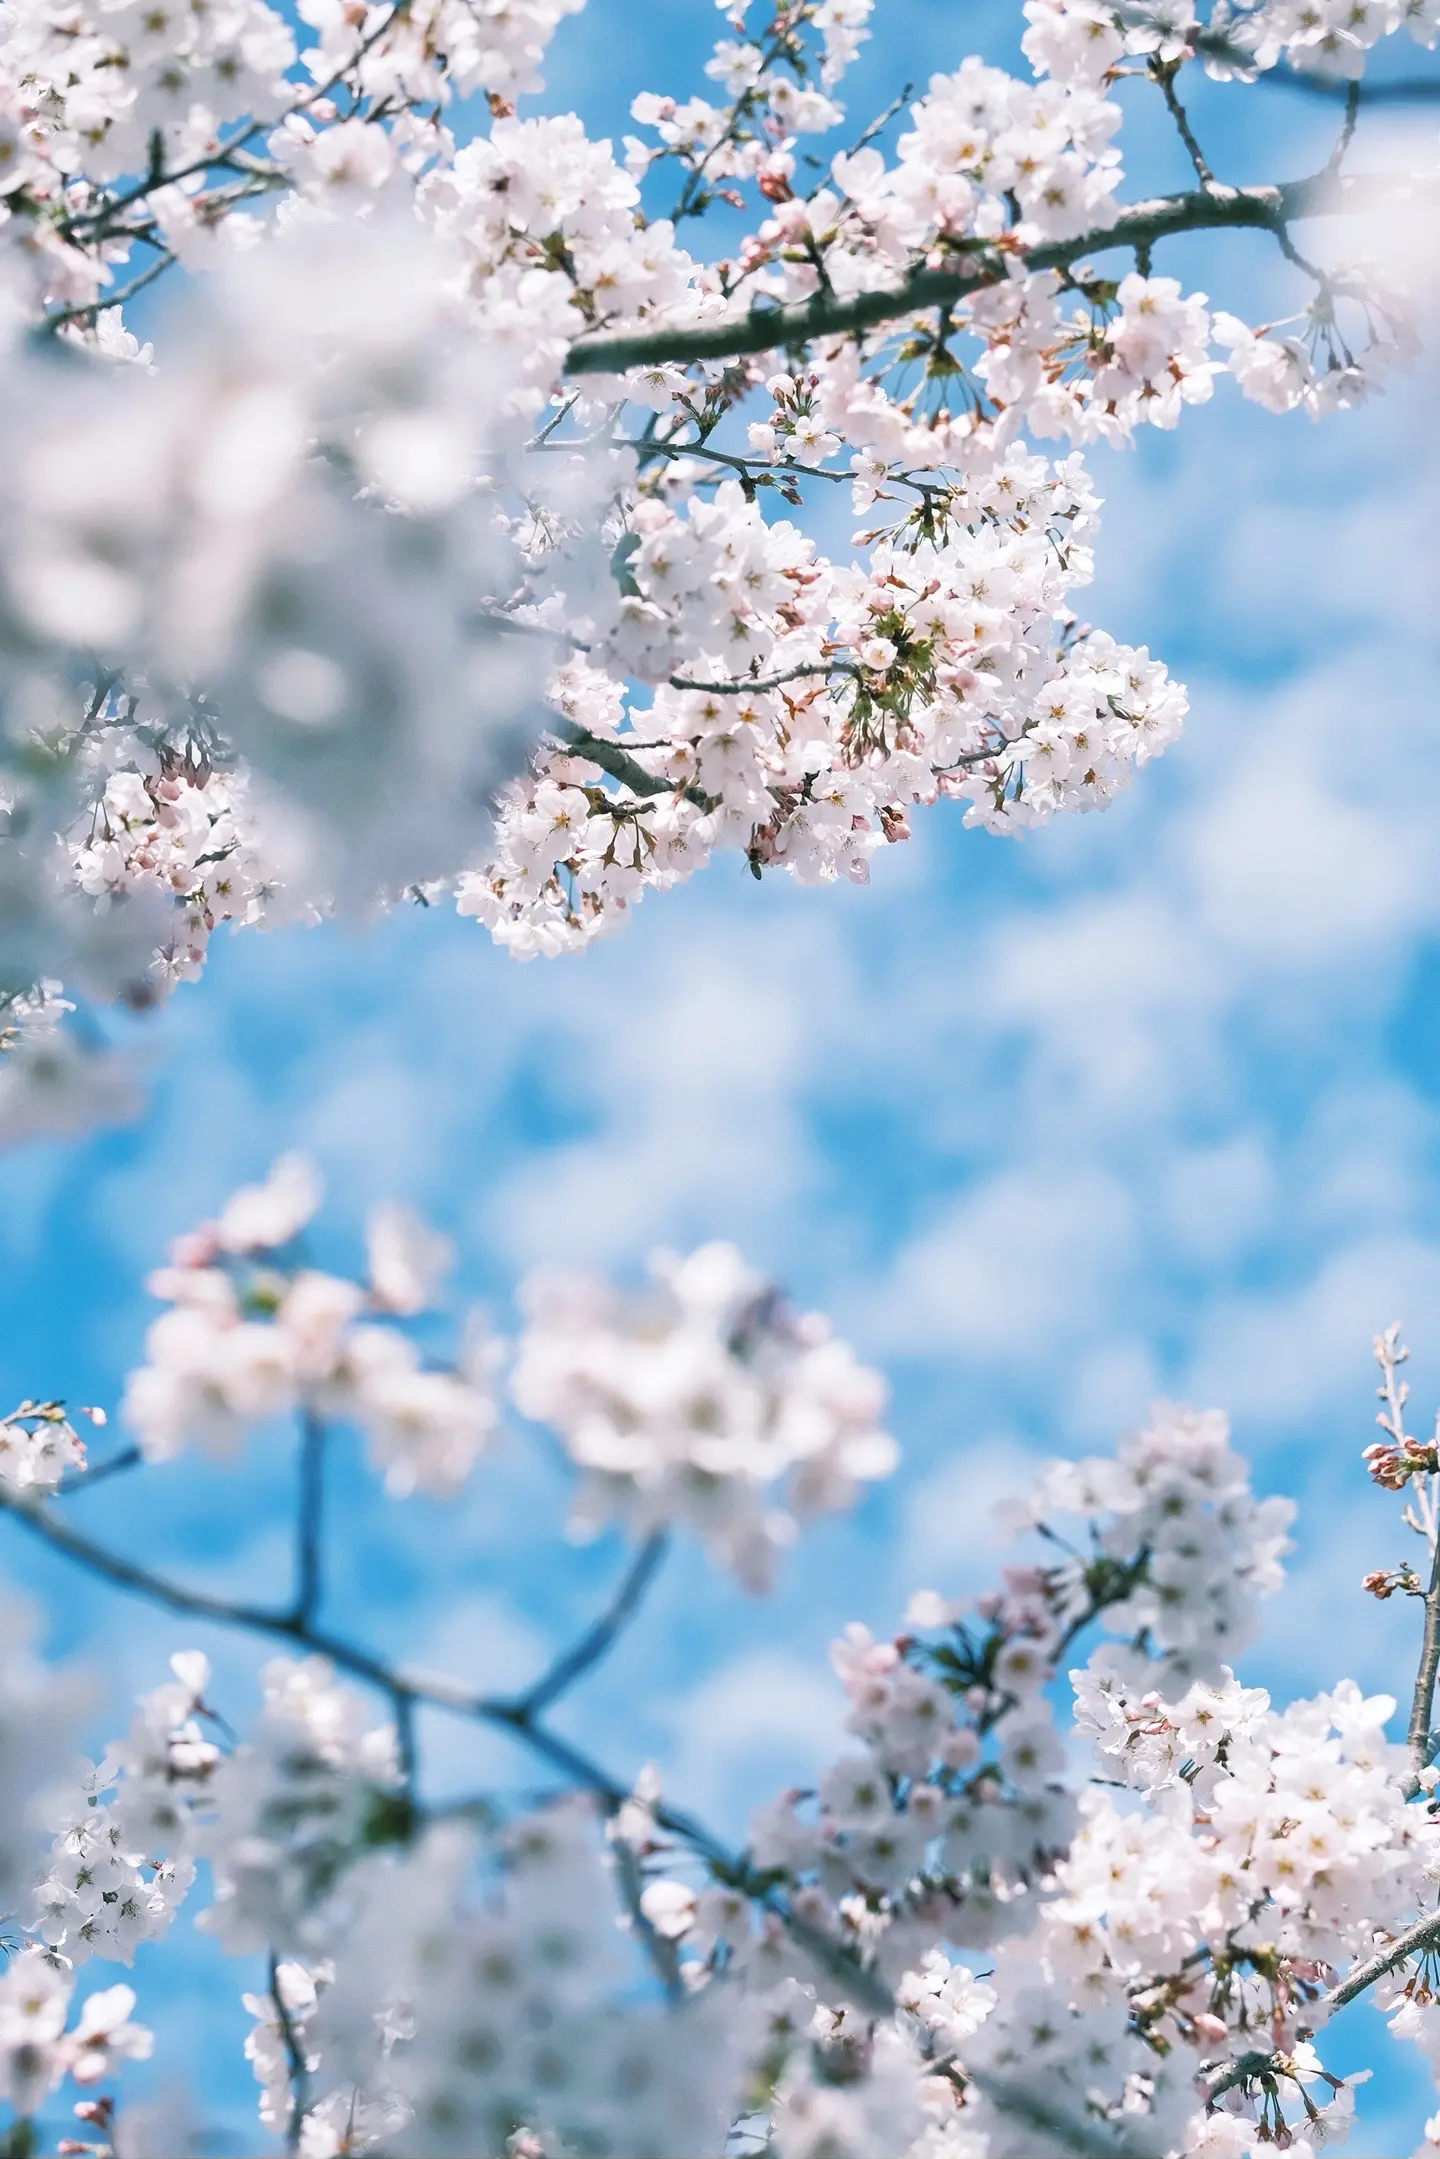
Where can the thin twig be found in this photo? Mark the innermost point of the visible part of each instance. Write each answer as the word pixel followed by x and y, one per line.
pixel 881 121
pixel 1419 90
pixel 309 1517
pixel 91 308
pixel 1163 73
pixel 749 685
pixel 1347 129
pixel 1422 1705
pixel 82 1479
pixel 599 1638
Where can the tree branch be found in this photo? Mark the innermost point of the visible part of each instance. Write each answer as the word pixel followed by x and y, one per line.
pixel 1142 224
pixel 1087 2139
pixel 1419 90
pixel 1424 1934
pixel 405 1689
pixel 611 758
pixel 1163 73
pixel 81 1481
pixel 600 1638
pixel 1422 1706
pixel 743 685
pixel 308 1520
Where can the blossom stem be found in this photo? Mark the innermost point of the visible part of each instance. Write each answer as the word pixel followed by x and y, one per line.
pixel 295 2064
pixel 1163 72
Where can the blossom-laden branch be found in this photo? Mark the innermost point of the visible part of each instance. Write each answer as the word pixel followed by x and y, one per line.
pixel 950 1814
pixel 491 261
pixel 1214 208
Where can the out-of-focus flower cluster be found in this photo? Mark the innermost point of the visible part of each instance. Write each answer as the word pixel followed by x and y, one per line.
pixel 705 1403
pixel 249 1337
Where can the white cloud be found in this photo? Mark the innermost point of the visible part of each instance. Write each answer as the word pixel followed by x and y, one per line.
pixel 759 1724
pixel 1020 1266
pixel 1278 1358
pixel 1287 871
pixel 949 1541
pixel 693 1081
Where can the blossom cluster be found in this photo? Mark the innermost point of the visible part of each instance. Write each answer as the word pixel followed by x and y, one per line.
pixel 827 704
pixel 706 1403
pixel 246 1339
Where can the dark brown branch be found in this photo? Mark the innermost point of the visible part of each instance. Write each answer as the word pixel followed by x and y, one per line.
pixel 1142 224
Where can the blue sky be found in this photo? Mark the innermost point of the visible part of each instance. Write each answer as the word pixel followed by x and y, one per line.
pixel 1149 1103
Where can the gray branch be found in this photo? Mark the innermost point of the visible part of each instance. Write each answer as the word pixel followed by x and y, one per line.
pixel 1424 1934
pixel 1080 2134
pixel 600 1638
pixel 1140 225
pixel 405 1689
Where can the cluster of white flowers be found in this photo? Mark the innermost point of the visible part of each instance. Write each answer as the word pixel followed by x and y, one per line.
pixel 955 679
pixel 182 828
pixel 1180 1494
pixel 37 2052
pixel 279 1816
pixel 248 1338
pixel 39 1447
pixel 705 1403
